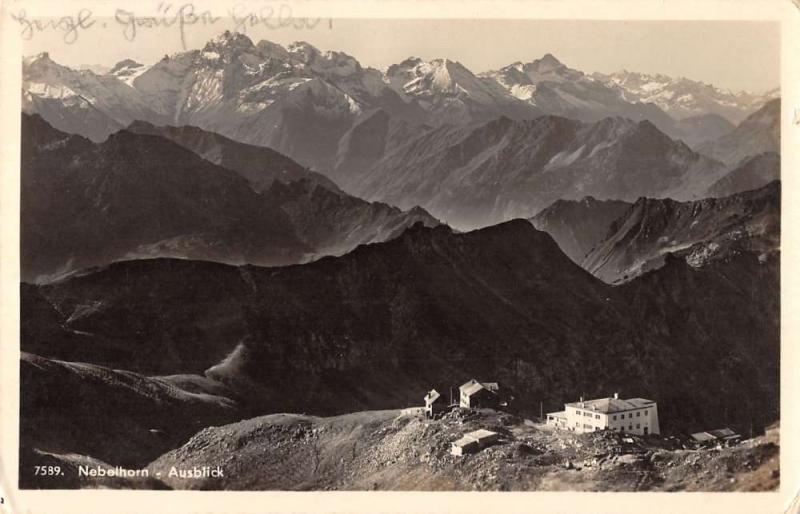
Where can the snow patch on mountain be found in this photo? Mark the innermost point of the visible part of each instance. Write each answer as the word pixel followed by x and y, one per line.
pixel 682 97
pixel 127 71
pixel 564 158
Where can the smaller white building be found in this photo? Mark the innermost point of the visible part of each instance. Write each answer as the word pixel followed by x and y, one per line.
pixel 631 416
pixel 557 419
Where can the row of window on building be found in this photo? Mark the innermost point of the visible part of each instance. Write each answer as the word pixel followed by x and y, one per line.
pixel 622 416
pixel 590 427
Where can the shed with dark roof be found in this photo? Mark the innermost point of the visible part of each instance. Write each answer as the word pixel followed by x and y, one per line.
pixel 724 435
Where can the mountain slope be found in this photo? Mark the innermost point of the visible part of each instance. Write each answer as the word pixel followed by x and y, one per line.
pixel 73 114
pixel 760 132
pixel 152 412
pixel 752 173
pixel 375 134
pixel 80 101
pixel 399 452
pixel 140 195
pixel 578 225
pixel 700 231
pixel 701 128
pixel 376 327
pixel 506 169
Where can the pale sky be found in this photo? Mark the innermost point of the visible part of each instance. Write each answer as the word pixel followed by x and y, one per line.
pixel 729 54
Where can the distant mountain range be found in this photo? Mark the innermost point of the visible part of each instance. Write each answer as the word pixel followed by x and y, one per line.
pixel 557 89
pixel 301 101
pixel 378 135
pixel 142 195
pixel 507 168
pixel 684 98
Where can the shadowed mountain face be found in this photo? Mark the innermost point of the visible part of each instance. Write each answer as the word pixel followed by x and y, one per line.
pixel 760 132
pixel 473 177
pixel 140 195
pixel 376 327
pixel 701 232
pixel 133 193
pixel 578 225
pixel 334 223
pixel 258 165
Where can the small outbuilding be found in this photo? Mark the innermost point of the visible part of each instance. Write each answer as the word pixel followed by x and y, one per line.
pixel 721 435
pixel 474 442
pixel 557 419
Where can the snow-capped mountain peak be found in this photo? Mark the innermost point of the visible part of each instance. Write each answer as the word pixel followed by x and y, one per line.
pixel 96 105
pixel 127 70
pixel 521 79
pixel 229 40
pixel 303 52
pixel 439 76
pixel 231 46
pixel 450 91
pixel 398 75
